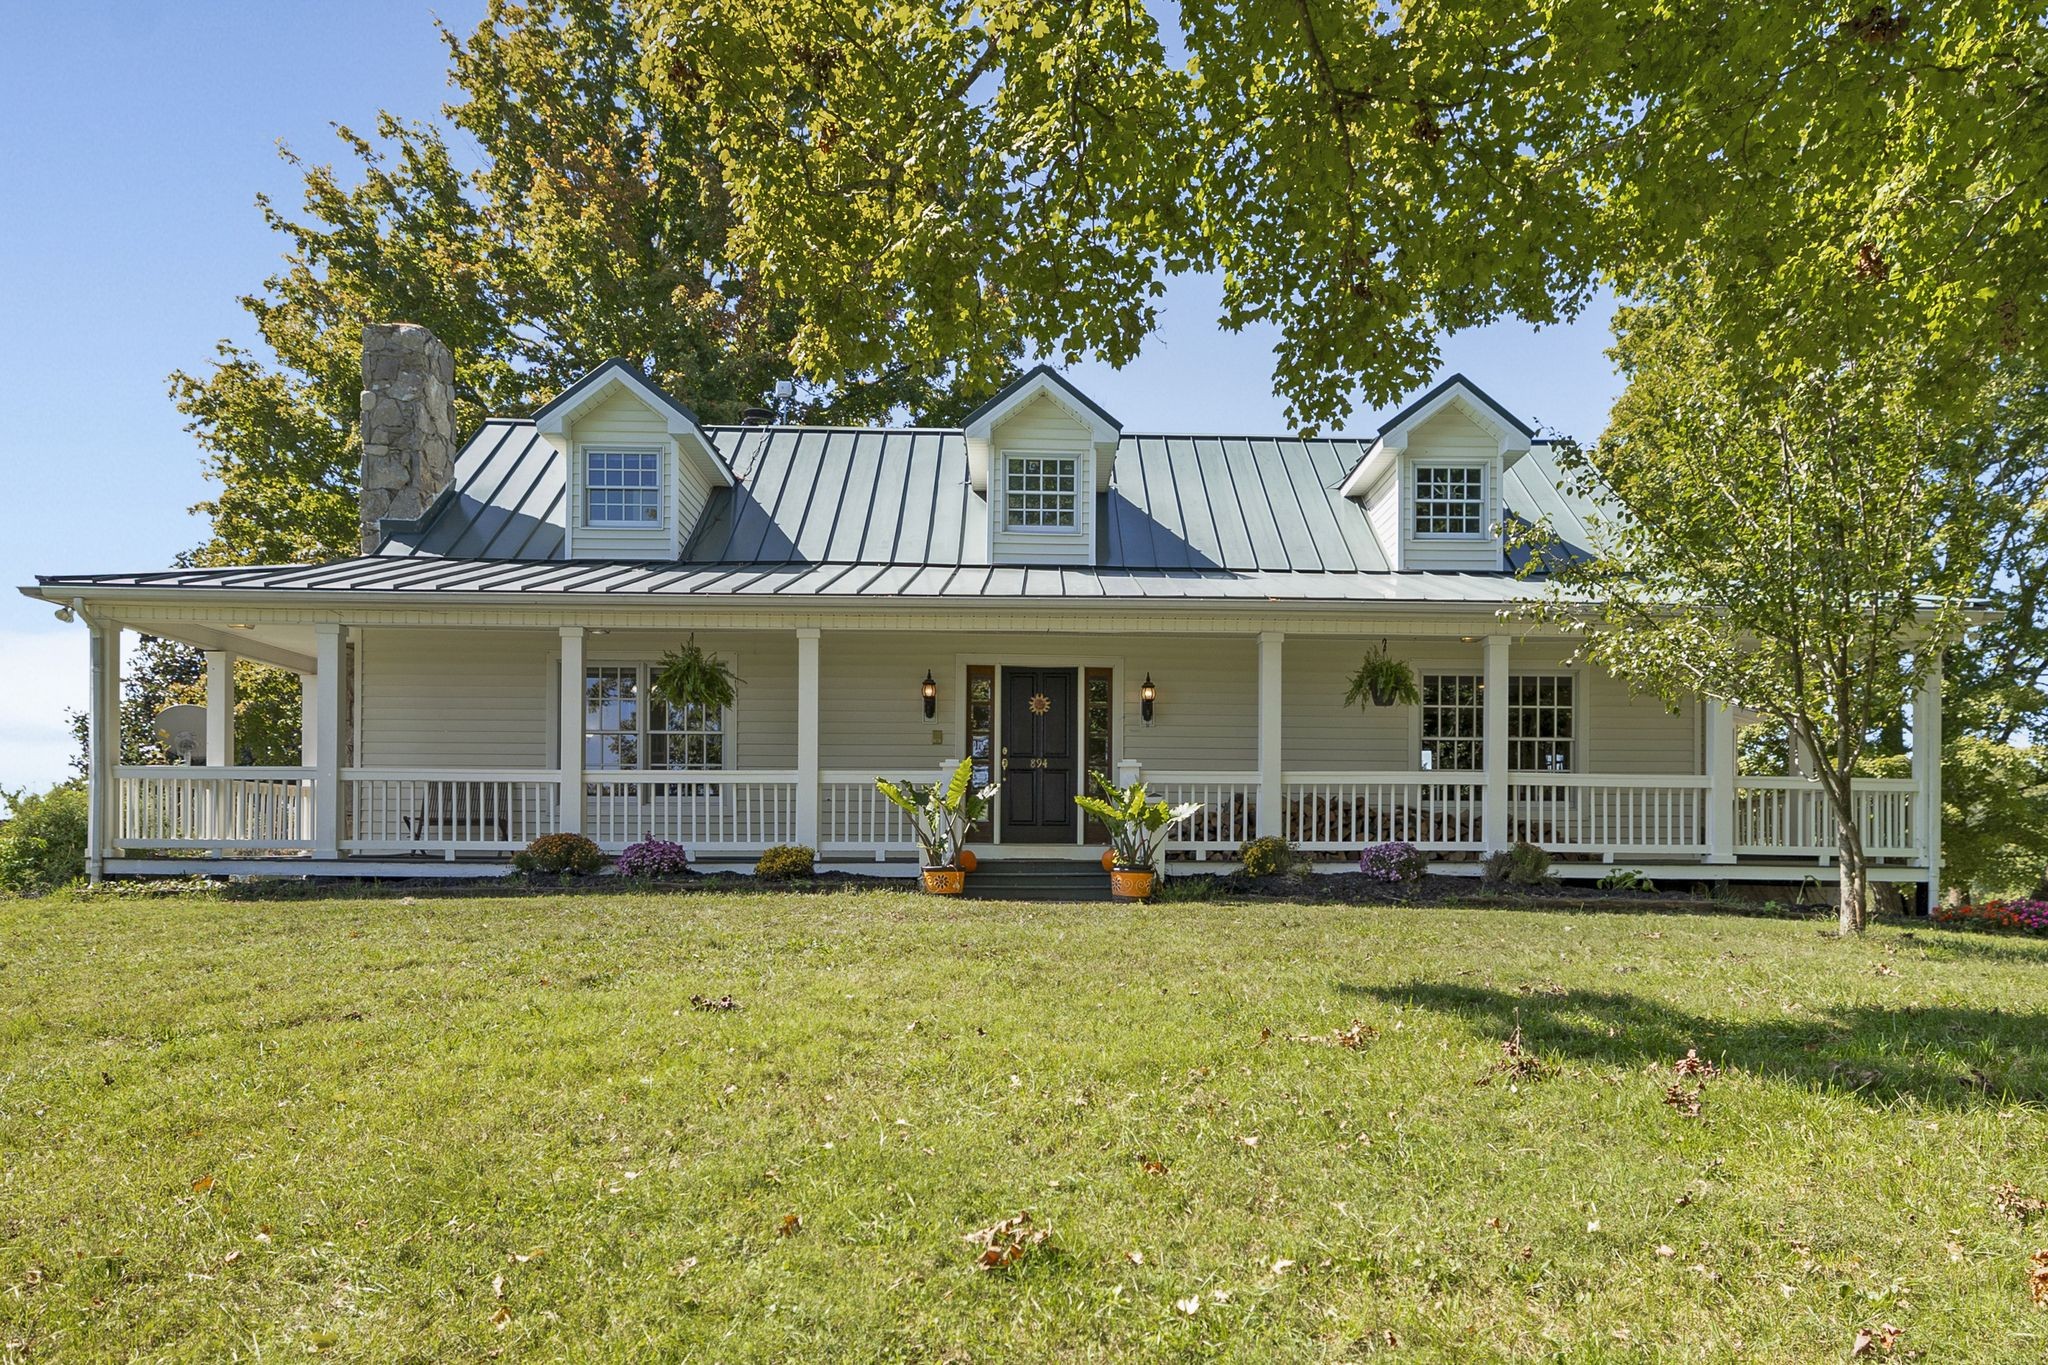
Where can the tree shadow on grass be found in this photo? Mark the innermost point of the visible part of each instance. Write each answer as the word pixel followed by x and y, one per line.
pixel 1940 1055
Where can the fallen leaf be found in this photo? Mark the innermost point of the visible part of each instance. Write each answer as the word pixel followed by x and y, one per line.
pixel 1282 1266
pixel 1251 1140
pixel 1686 1102
pixel 789 1225
pixel 684 1266
pixel 2009 1201
pixel 1666 1252
pixel 1152 1166
pixel 706 1002
pixel 1692 1064
pixel 498 1285
pixel 501 1319
pixel 1005 1241
pixel 1190 1306
pixel 2037 1277
pixel 202 1184
pixel 1135 1257
pixel 1861 1347
pixel 231 1258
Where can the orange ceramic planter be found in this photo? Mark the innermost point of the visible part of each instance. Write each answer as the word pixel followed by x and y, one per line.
pixel 1129 886
pixel 944 881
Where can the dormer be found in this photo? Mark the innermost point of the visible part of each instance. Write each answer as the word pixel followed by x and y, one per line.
pixel 1431 482
pixel 1041 450
pixel 641 467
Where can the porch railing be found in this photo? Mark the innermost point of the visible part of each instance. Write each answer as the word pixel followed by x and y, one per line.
pixel 1330 812
pixel 483 810
pixel 704 811
pixel 1229 812
pixel 1591 813
pixel 224 808
pixel 853 817
pixel 1790 815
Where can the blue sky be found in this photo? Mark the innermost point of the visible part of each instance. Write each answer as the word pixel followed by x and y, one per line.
pixel 136 141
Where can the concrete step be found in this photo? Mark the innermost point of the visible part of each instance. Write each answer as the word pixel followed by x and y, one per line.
pixel 1032 879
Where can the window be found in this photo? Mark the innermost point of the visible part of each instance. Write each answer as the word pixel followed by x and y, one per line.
pixel 1541 737
pixel 1453 722
pixel 621 487
pixel 1041 492
pixel 1450 500
pixel 626 727
pixel 1540 731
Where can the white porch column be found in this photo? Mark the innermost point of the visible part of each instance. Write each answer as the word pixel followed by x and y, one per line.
pixel 220 709
pixel 1927 776
pixel 1495 700
pixel 327 685
pixel 309 720
pixel 807 736
pixel 569 735
pixel 103 744
pixel 1272 790
pixel 1720 763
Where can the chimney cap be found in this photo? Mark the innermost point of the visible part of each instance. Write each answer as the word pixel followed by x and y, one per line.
pixel 756 417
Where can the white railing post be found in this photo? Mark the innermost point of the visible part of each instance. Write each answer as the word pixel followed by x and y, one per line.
pixel 220 708
pixel 103 741
pixel 327 793
pixel 807 736
pixel 569 735
pixel 1494 814
pixel 1720 762
pixel 1927 777
pixel 1272 812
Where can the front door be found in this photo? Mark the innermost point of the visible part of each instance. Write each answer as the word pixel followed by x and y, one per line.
pixel 1039 766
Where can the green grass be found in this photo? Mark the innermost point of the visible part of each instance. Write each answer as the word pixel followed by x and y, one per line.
pixel 418 1118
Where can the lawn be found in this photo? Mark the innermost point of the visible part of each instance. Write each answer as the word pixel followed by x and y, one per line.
pixel 461 1128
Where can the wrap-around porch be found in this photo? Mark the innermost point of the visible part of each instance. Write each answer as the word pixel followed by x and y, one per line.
pixel 430 746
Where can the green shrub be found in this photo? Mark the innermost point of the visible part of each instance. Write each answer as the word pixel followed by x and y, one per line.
pixel 42 844
pixel 786 861
pixel 570 854
pixel 1626 879
pixel 1267 857
pixel 156 889
pixel 1522 865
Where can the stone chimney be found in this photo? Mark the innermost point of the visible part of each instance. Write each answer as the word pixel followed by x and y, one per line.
pixel 408 423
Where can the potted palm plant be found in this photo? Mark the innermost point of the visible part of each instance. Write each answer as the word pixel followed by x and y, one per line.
pixel 1138 828
pixel 689 677
pixel 940 815
pixel 1383 680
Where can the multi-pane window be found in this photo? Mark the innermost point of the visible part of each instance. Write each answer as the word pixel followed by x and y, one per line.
pixel 1540 730
pixel 626 727
pixel 1450 500
pixel 1542 734
pixel 1041 492
pixel 1453 722
pixel 622 487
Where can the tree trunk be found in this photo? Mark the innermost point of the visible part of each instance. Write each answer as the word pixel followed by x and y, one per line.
pixel 1855 880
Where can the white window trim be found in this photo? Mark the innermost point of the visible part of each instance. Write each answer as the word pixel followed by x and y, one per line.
pixel 1414 509
pixel 1578 710
pixel 1082 492
pixel 661 488
pixel 1582 749
pixel 728 717
pixel 1415 721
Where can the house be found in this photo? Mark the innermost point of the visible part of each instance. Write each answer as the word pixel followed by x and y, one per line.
pixel 1039 589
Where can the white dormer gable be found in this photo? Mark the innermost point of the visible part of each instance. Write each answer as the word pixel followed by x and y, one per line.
pixel 1432 480
pixel 640 465
pixel 1041 450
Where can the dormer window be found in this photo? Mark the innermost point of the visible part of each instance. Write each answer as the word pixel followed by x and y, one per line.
pixel 1041 492
pixel 1450 500
pixel 622 487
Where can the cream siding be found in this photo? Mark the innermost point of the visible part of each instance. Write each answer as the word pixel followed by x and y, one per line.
pixel 456 698
pixel 485 699
pixel 1042 427
pixel 1450 437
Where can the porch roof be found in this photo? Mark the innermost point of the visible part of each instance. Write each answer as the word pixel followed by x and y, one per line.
pixel 440 577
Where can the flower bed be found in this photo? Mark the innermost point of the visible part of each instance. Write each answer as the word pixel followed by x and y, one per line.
pixel 2027 916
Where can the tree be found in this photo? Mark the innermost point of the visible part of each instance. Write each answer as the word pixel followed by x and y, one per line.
pixel 563 216
pixel 1802 546
pixel 915 180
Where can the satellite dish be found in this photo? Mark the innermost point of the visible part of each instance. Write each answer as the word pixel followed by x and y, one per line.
pixel 183 731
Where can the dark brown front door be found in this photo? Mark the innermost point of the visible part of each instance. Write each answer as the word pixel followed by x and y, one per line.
pixel 1040 766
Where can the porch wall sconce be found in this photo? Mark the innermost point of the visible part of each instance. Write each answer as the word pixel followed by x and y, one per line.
pixel 1147 694
pixel 930 691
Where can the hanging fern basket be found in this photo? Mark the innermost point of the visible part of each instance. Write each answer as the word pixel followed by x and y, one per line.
pixel 690 677
pixel 1382 680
